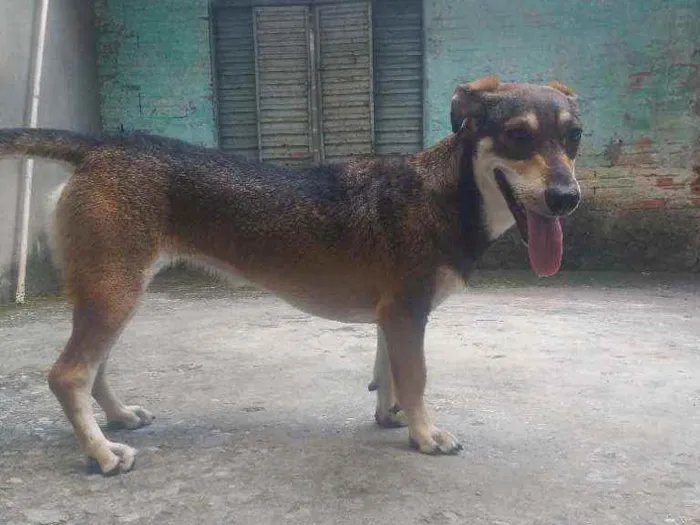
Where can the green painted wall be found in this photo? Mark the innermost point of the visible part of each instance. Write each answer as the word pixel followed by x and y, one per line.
pixel 634 63
pixel 155 68
pixel 636 67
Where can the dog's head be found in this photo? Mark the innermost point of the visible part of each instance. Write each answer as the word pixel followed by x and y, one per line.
pixel 525 139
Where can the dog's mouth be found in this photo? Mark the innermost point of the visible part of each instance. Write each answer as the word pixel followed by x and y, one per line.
pixel 542 235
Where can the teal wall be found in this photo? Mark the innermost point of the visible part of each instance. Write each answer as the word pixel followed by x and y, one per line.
pixel 635 63
pixel 636 67
pixel 155 68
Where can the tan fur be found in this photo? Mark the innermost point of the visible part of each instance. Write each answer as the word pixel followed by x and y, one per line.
pixel 566 161
pixel 563 88
pixel 530 120
pixel 498 216
pixel 564 117
pixel 490 83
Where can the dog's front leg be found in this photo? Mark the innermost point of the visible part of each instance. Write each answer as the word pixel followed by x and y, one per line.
pixel 404 333
pixel 388 413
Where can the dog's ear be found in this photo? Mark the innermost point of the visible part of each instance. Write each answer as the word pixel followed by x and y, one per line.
pixel 468 103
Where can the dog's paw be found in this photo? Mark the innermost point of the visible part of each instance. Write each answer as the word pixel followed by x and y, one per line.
pixel 392 418
pixel 435 443
pixel 117 458
pixel 132 418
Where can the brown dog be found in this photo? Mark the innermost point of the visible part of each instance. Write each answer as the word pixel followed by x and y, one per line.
pixel 377 240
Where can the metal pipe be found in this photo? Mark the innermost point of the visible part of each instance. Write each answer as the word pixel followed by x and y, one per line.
pixel 27 172
pixel 258 88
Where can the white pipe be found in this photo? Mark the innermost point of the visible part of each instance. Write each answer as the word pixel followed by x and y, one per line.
pixel 28 164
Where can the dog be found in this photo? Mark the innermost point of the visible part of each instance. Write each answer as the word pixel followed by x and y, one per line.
pixel 379 240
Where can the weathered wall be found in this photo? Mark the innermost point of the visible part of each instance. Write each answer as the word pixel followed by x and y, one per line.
pixel 155 67
pixel 70 99
pixel 635 64
pixel 636 67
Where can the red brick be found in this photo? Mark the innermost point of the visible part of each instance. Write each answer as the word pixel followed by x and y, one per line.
pixel 665 182
pixel 696 201
pixel 651 203
pixel 636 80
pixel 644 142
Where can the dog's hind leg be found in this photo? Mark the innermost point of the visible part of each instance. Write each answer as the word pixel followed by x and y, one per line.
pixel 107 254
pixel 98 319
pixel 388 413
pixel 405 333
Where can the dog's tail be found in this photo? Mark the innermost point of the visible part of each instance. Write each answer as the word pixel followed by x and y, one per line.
pixel 61 145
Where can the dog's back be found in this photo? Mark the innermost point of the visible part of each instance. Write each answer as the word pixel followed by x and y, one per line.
pixel 135 198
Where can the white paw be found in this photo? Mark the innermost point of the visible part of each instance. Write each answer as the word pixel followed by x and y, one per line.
pixel 436 442
pixel 132 417
pixel 117 458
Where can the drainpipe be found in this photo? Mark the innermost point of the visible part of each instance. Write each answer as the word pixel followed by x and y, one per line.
pixel 31 121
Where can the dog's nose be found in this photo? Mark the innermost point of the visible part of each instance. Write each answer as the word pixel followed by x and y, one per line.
pixel 562 199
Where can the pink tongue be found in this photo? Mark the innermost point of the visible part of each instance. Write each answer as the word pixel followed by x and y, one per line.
pixel 545 243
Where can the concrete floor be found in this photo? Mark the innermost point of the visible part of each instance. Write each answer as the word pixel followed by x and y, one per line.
pixel 577 403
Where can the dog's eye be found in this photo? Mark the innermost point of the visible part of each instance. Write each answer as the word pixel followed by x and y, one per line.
pixel 519 136
pixel 574 135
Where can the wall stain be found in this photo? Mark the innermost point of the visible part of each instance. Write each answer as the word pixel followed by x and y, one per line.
pixel 613 151
pixel 695 185
pixel 636 80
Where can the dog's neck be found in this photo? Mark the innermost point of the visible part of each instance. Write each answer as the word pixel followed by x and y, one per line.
pixel 448 170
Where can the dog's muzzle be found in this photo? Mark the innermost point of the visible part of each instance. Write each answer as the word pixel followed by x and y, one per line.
pixel 539 230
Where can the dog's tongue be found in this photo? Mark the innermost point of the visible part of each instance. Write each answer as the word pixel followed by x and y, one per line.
pixel 545 243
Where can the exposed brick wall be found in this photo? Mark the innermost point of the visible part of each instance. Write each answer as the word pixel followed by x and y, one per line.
pixel 636 66
pixel 155 68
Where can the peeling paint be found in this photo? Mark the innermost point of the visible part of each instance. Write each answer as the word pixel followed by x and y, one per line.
pixel 636 80
pixel 695 185
pixel 632 84
pixel 613 151
pixel 154 67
